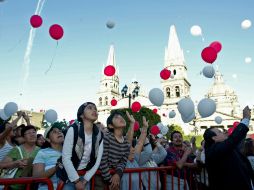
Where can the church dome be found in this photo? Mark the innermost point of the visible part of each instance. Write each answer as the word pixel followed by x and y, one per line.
pixel 219 88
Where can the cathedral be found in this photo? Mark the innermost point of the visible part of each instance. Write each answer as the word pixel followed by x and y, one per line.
pixel 174 89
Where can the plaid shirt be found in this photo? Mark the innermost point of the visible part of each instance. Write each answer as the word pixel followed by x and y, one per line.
pixel 174 155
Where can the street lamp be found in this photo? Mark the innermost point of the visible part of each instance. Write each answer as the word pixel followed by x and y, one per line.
pixel 133 95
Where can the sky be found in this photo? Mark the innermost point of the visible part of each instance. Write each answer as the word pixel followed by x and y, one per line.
pixel 140 36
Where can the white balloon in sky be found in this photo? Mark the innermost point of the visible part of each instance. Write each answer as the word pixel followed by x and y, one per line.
pixel 218 119
pixel 234 76
pixel 196 30
pixel 247 59
pixel 208 71
pixel 246 24
pixel 50 116
pixel 2 115
pixel 160 125
pixel 172 114
pixel 110 24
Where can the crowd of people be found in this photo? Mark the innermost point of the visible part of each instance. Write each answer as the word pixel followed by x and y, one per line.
pixel 225 161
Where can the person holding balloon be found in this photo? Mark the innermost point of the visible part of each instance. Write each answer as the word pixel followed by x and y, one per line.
pixel 226 166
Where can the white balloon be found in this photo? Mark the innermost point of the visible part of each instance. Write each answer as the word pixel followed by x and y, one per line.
pixel 246 24
pixel 51 116
pixel 218 120
pixel 160 125
pixel 196 30
pixel 172 76
pixel 159 136
pixel 156 96
pixel 185 107
pixel 164 130
pixel 206 107
pixel 10 108
pixel 172 114
pixel 189 119
pixel 208 71
pixel 2 115
pixel 248 60
pixel 110 24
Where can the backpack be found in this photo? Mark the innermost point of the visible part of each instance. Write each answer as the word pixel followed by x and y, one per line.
pixel 60 170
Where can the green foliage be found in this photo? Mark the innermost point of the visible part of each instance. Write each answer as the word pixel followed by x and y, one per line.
pixel 59 124
pixel 199 138
pixel 172 128
pixel 150 116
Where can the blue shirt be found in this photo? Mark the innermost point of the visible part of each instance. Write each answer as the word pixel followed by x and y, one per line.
pixel 48 157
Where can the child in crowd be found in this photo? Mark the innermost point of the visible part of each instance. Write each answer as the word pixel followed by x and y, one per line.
pixel 82 149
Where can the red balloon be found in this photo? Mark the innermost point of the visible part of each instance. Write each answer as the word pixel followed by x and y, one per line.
pixel 71 121
pixel 109 70
pixel 216 45
pixel 235 124
pixel 113 102
pixel 135 107
pixel 56 31
pixel 165 74
pixel 136 126
pixel 209 54
pixel 230 130
pixel 155 130
pixel 155 110
pixel 36 21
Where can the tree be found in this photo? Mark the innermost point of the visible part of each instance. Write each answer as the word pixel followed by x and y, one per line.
pixel 153 118
pixel 172 128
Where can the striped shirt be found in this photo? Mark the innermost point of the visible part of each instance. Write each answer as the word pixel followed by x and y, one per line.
pixel 5 150
pixel 115 156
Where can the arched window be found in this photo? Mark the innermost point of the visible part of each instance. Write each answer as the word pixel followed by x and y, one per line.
pixel 174 72
pixel 100 101
pixel 177 89
pixel 106 84
pixel 106 100
pixel 168 92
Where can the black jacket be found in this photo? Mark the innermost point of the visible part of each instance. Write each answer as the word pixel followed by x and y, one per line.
pixel 227 167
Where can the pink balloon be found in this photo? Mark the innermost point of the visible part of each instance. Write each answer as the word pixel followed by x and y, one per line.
pixel 71 121
pixel 165 74
pixel 216 45
pixel 209 54
pixel 109 70
pixel 235 124
pixel 230 130
pixel 113 102
pixel 136 126
pixel 155 130
pixel 135 107
pixel 36 21
pixel 56 31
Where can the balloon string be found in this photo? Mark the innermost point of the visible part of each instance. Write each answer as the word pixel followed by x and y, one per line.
pixel 51 64
pixel 19 42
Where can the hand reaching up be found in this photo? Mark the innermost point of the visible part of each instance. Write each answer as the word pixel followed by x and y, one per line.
pixel 247 112
pixel 145 125
pixel 130 117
